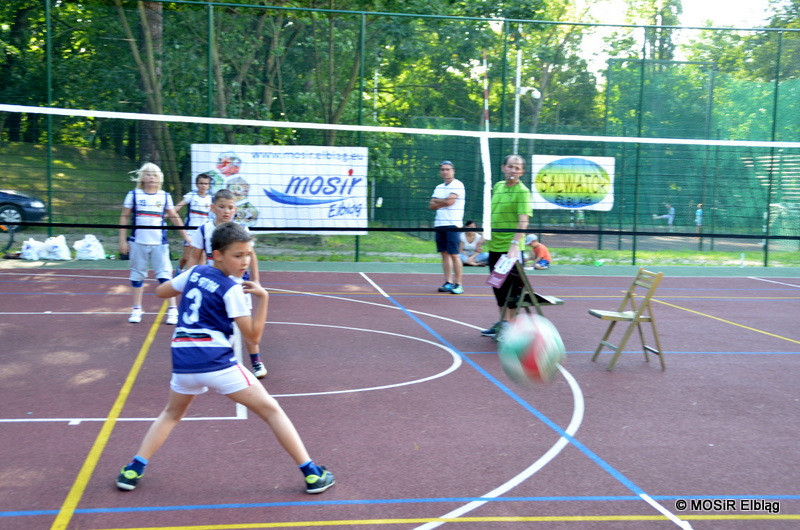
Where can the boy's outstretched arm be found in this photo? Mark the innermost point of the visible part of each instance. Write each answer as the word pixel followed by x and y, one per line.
pixel 252 327
pixel 166 290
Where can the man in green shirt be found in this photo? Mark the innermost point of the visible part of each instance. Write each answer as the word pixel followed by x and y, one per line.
pixel 511 209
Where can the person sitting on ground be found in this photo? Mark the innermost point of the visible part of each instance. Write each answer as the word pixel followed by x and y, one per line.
pixel 539 254
pixel 470 248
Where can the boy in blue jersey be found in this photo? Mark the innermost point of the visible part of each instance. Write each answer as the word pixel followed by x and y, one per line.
pixel 203 357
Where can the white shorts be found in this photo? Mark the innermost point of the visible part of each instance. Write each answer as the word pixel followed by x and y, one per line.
pixel 142 256
pixel 225 381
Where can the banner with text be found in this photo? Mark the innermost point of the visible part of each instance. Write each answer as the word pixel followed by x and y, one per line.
pixel 289 186
pixel 572 182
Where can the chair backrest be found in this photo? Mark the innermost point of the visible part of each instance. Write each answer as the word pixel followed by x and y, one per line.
pixel 641 290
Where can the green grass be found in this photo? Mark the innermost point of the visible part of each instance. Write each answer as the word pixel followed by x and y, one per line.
pixel 88 185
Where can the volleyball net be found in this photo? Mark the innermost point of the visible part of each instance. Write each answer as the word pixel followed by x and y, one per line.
pixel 306 178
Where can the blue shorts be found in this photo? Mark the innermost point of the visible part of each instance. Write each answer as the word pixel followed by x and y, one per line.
pixel 542 264
pixel 447 240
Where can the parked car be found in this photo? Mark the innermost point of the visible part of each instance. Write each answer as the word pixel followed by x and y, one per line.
pixel 16 206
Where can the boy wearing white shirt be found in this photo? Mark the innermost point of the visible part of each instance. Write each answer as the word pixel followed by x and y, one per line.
pixel 148 205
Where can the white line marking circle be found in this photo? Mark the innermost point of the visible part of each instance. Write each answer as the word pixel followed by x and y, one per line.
pixel 454 366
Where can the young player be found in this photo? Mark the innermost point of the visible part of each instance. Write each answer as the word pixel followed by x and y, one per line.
pixel 539 255
pixel 199 203
pixel 202 353
pixel 149 205
pixel 223 207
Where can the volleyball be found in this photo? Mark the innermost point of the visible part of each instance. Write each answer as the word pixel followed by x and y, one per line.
pixel 530 349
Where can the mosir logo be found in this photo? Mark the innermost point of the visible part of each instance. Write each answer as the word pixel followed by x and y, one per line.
pixel 309 191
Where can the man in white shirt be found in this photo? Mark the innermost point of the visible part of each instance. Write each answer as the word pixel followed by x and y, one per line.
pixel 448 201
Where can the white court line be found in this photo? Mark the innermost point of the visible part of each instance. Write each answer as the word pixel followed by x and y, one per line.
pixel 550 454
pixel 773 281
pixel 241 411
pixel 453 367
pixel 562 442
pixel 78 421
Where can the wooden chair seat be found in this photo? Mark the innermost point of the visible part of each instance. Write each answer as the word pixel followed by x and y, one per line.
pixel 635 309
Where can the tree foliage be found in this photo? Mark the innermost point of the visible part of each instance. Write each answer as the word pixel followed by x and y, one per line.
pixel 351 61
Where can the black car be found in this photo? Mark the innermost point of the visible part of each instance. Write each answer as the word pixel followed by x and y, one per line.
pixel 16 206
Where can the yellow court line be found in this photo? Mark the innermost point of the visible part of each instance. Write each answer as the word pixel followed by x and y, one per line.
pixel 727 321
pixel 503 519
pixel 79 486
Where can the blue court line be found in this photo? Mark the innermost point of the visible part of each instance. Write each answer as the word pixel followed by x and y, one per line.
pixel 527 406
pixel 459 500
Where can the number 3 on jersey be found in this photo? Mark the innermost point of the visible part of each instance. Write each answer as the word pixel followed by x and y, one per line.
pixel 196 297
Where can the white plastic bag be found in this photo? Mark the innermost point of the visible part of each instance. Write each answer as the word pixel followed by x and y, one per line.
pixel 89 248
pixel 57 248
pixel 31 249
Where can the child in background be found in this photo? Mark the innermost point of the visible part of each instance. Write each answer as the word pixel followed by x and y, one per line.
pixel 698 217
pixel 202 354
pixel 539 255
pixel 669 216
pixel 199 203
pixel 224 208
pixel 148 204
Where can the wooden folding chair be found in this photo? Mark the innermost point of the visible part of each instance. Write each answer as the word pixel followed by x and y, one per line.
pixel 634 309
pixel 528 297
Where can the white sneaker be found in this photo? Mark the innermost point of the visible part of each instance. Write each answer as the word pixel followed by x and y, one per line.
pixel 259 370
pixel 172 316
pixel 136 315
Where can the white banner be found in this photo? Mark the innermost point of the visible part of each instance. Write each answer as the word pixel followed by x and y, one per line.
pixel 572 182
pixel 290 186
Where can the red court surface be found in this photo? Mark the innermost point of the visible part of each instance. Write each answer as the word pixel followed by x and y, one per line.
pixel 392 387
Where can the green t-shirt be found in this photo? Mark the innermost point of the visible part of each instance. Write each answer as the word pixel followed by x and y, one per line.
pixel 508 203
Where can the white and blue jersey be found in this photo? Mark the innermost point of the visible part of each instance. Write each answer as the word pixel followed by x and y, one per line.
pixel 201 239
pixel 148 209
pixel 197 208
pixel 210 302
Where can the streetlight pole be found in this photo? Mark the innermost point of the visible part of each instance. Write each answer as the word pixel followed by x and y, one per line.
pixel 520 91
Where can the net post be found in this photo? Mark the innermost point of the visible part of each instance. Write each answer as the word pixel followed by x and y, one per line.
pixel 486 162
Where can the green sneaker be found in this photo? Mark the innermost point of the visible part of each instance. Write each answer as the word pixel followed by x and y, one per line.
pixel 457 288
pixel 317 484
pixel 128 479
pixel 446 288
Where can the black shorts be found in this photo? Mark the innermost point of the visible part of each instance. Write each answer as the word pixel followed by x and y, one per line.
pixel 511 288
pixel 447 240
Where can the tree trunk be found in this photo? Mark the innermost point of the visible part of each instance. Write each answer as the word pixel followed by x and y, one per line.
pixel 155 141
